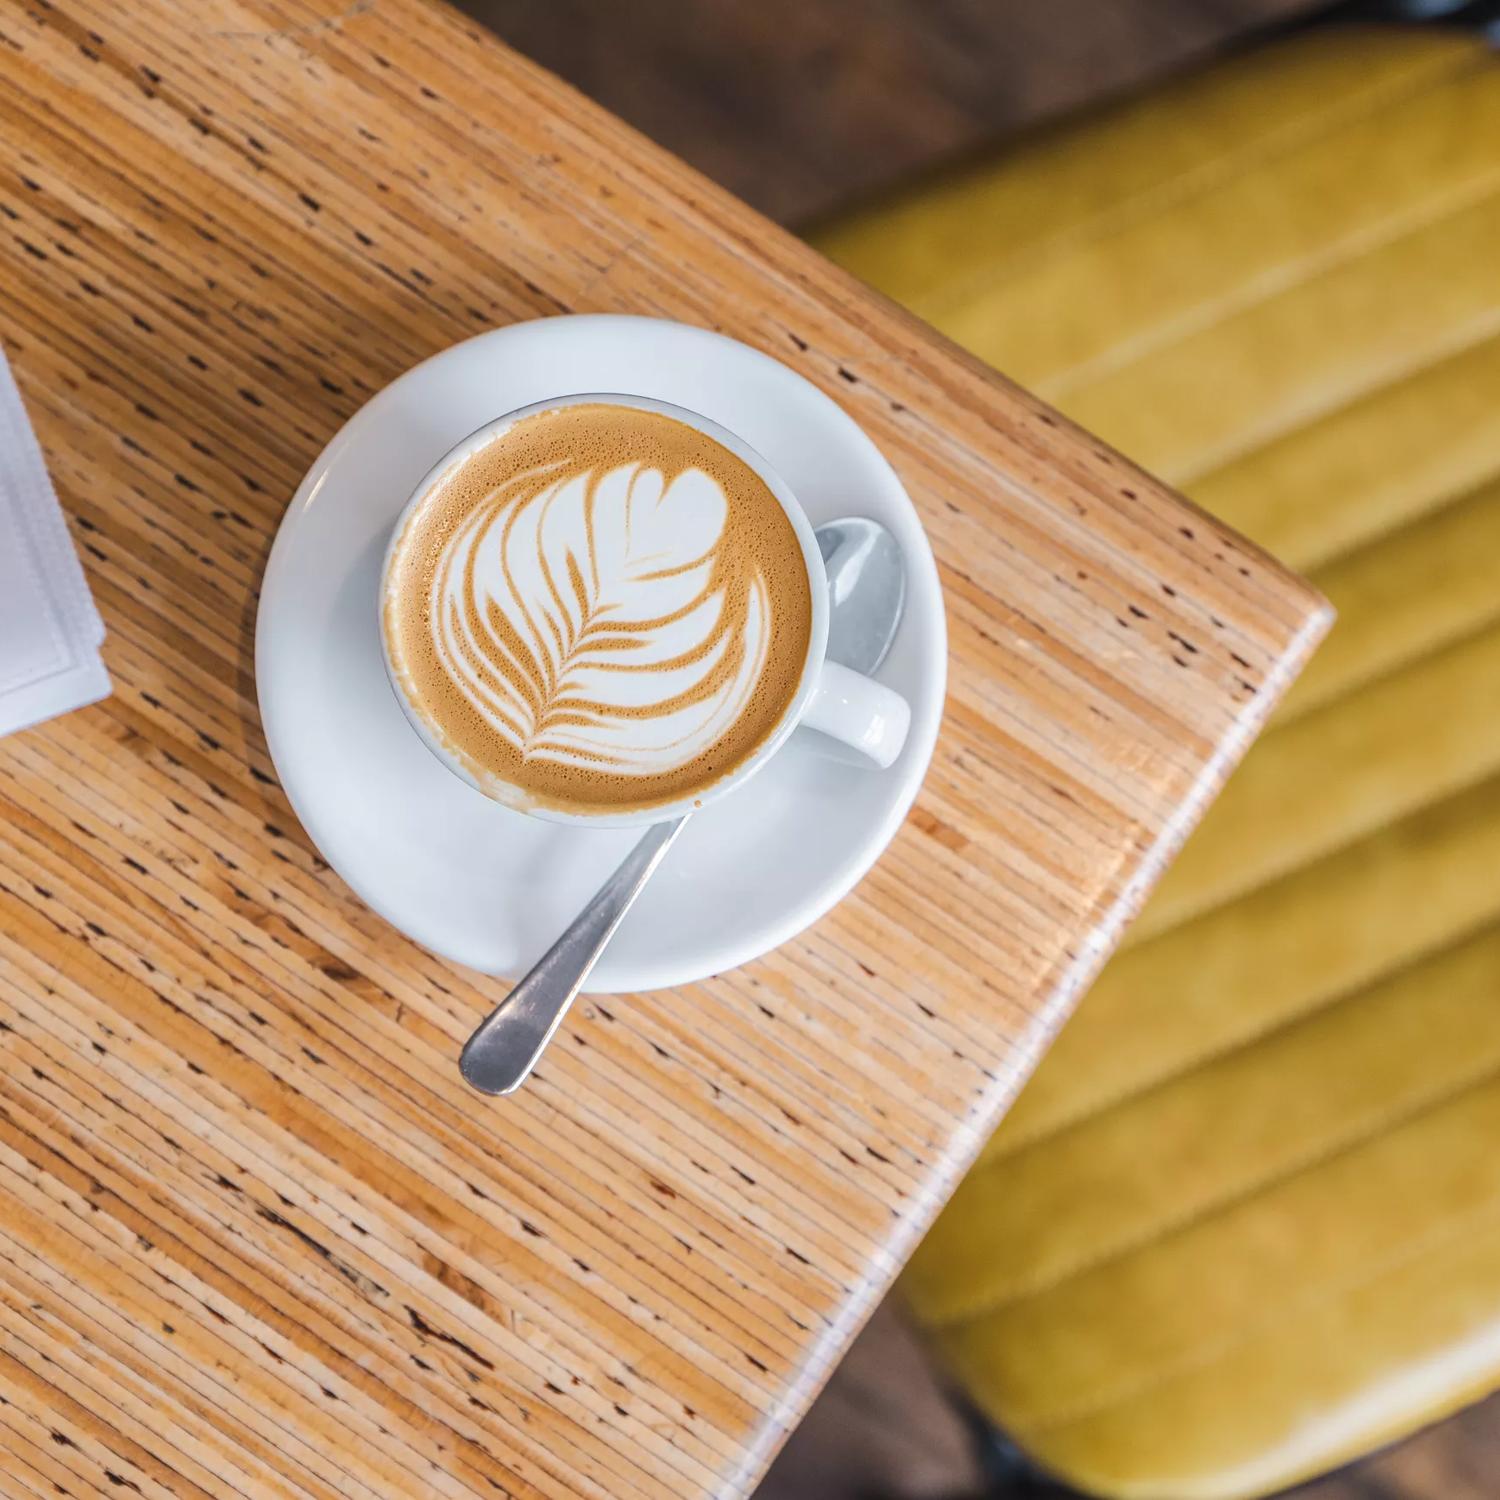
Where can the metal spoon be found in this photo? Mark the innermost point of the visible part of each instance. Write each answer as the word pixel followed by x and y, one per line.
pixel 867 593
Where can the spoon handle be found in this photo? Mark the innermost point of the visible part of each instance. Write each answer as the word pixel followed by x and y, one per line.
pixel 504 1048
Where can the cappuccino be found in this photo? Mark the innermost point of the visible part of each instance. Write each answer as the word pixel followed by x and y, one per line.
pixel 600 609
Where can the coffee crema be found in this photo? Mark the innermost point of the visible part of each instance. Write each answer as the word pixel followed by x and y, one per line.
pixel 599 610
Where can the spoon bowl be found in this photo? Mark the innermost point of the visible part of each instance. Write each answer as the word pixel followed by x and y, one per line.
pixel 866 590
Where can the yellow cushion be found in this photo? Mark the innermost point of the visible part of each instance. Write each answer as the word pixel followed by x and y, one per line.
pixel 1244 1222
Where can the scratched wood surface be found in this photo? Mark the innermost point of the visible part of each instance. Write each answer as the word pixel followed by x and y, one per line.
pixel 255 1236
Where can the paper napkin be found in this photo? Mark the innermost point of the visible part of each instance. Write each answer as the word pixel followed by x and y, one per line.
pixel 49 629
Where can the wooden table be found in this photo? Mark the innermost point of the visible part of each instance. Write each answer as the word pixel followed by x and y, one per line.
pixel 257 1238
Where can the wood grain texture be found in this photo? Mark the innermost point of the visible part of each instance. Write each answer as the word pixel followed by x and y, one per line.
pixel 258 1239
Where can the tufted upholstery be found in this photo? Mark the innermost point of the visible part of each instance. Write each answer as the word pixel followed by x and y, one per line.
pixel 1245 1221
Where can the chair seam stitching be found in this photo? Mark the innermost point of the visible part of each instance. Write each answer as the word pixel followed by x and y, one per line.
pixel 1315 1007
pixel 1447 1232
pixel 1197 181
pixel 1265 288
pixel 1212 1207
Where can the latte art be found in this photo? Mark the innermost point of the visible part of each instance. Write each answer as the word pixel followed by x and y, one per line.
pixel 596 619
pixel 601 608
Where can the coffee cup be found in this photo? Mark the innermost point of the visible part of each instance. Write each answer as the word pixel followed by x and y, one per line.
pixel 608 610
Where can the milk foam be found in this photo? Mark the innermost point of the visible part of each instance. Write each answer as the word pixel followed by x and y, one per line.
pixel 573 619
pixel 601 608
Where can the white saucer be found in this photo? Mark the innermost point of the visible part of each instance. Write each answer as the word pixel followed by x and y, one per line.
pixel 491 888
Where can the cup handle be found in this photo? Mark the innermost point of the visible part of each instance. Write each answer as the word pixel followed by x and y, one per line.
pixel 859 712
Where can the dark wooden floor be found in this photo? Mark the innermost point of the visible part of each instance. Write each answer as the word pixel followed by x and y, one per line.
pixel 887 1428
pixel 802 107
pixel 1457 1460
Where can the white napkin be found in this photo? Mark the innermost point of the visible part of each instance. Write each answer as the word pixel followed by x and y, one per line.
pixel 49 629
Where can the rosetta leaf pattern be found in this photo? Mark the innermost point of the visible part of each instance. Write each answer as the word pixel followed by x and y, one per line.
pixel 599 617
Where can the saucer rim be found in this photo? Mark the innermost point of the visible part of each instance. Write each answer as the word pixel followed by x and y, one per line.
pixel 668 970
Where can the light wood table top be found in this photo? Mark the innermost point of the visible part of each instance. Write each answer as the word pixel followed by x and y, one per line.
pixel 257 1238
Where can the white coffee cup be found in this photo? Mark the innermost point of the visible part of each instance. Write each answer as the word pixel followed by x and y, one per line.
pixel 851 708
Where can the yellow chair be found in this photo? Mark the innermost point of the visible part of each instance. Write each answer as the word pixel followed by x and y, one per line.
pixel 1244 1224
